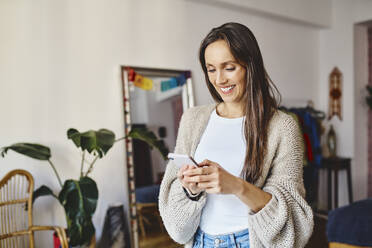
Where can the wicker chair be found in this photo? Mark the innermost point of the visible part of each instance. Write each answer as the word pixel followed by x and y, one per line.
pixel 16 229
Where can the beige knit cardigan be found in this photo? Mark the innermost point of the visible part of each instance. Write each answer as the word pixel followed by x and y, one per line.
pixel 285 221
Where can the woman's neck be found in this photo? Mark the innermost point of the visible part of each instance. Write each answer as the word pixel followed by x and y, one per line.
pixel 230 110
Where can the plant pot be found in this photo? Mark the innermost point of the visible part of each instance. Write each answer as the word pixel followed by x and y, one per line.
pixel 57 242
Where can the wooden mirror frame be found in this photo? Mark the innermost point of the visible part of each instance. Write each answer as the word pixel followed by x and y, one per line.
pixel 188 97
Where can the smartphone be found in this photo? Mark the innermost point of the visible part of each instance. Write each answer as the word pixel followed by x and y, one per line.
pixel 182 159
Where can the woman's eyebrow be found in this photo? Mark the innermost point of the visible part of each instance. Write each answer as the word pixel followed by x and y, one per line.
pixel 224 63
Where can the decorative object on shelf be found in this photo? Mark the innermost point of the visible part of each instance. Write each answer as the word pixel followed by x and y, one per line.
pixel 369 97
pixel 79 197
pixel 335 93
pixel 332 142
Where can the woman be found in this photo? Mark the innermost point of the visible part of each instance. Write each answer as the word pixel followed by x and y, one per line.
pixel 248 190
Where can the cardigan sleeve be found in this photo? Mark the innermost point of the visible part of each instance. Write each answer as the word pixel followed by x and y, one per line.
pixel 180 215
pixel 287 219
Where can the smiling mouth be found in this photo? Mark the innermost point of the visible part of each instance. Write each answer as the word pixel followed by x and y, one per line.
pixel 227 89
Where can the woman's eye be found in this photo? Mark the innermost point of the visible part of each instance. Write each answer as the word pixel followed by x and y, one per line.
pixel 230 69
pixel 211 70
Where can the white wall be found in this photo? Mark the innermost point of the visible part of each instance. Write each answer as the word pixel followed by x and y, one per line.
pixel 290 51
pixel 362 10
pixel 336 48
pixel 58 69
pixel 314 12
pixel 139 113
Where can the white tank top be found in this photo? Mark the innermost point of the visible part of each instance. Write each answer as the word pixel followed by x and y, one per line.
pixel 223 142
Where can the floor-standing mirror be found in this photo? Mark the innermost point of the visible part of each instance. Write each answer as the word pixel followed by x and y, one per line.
pixel 154 99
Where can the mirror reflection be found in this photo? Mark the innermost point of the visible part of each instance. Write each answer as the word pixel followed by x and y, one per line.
pixel 157 99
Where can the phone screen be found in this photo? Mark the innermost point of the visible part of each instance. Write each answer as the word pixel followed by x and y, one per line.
pixel 182 159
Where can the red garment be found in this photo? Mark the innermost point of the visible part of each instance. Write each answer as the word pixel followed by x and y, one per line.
pixel 308 148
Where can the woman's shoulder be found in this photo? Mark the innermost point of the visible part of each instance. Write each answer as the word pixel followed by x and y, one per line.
pixel 199 111
pixel 283 122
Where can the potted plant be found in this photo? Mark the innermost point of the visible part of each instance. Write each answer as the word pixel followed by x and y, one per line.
pixel 79 196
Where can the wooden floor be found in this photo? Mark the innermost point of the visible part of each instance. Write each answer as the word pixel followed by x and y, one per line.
pixel 319 236
pixel 157 240
pixel 156 236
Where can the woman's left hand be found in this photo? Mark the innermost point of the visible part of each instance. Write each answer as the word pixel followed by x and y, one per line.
pixel 211 177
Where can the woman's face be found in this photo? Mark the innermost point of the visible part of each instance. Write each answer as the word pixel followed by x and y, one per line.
pixel 224 72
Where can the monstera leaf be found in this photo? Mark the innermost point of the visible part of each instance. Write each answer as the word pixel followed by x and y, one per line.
pixel 41 191
pixel 36 151
pixel 79 199
pixel 93 141
pixel 150 138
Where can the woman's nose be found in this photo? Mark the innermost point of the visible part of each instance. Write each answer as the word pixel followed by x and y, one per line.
pixel 221 78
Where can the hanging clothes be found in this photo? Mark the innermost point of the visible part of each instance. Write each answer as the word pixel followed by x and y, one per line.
pixel 311 135
pixel 310 123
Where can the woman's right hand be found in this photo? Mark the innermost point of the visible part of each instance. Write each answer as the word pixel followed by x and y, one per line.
pixel 192 187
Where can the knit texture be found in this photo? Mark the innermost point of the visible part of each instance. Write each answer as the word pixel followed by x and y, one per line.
pixel 285 221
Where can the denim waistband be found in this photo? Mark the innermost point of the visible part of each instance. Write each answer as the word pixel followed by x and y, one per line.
pixel 223 240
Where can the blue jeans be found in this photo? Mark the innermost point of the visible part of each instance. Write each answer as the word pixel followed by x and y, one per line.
pixel 238 239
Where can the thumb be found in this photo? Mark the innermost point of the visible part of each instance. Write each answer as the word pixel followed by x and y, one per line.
pixel 205 162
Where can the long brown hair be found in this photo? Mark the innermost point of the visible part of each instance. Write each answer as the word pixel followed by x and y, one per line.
pixel 259 97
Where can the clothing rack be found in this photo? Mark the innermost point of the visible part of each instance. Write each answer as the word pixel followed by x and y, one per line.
pixel 304 105
pixel 310 120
